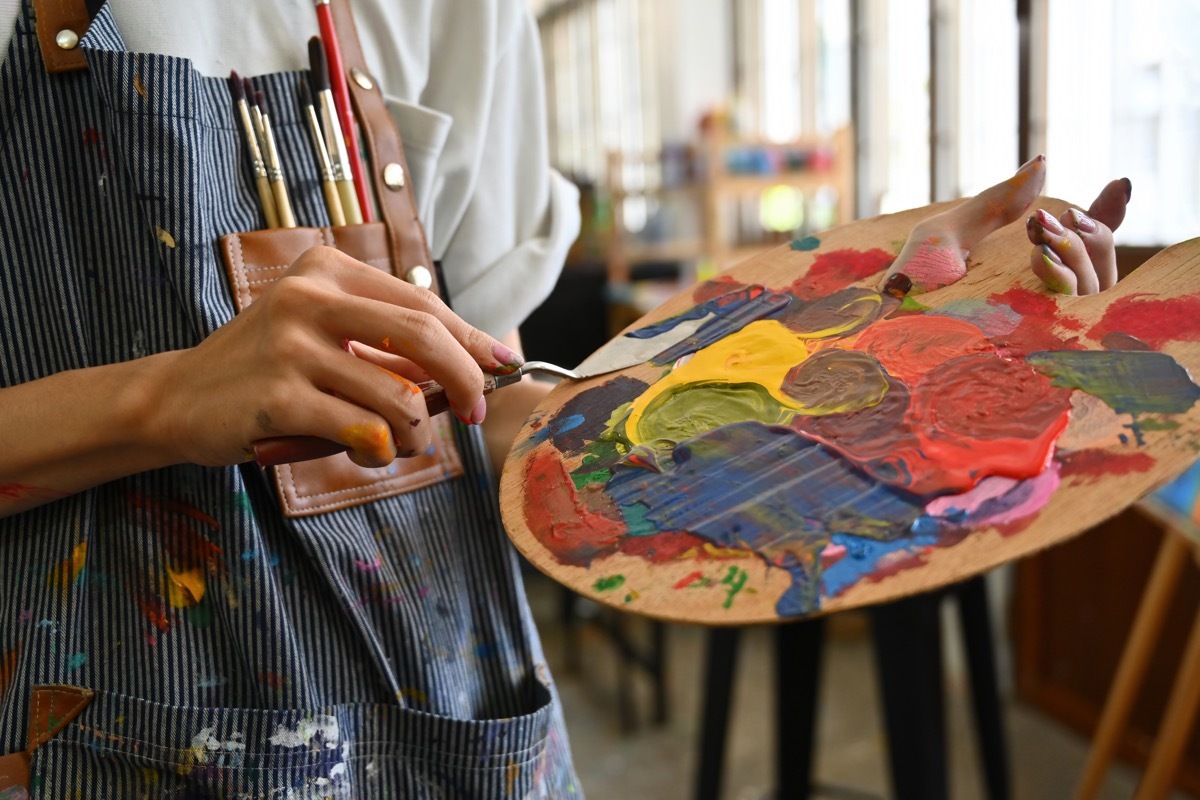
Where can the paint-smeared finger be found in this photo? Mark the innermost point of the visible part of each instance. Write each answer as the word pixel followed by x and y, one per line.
pixel 1046 264
pixel 367 436
pixel 1097 241
pixel 391 362
pixel 395 398
pixel 997 206
pixel 935 254
pixel 1066 248
pixel 1109 206
pixel 368 282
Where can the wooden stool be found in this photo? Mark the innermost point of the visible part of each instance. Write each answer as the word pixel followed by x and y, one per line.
pixel 1184 701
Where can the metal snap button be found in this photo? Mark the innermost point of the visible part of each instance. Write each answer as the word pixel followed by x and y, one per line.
pixel 67 39
pixel 361 78
pixel 393 176
pixel 419 276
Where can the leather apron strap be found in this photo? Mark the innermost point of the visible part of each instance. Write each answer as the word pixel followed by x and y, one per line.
pixel 60 26
pixel 388 167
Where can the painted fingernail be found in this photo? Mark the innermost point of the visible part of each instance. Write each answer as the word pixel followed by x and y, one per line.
pixel 1128 188
pixel 480 412
pixel 898 285
pixel 1035 160
pixel 1082 221
pixel 507 357
pixel 1049 223
pixel 1050 257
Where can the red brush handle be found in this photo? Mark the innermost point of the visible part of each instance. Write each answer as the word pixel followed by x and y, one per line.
pixel 341 102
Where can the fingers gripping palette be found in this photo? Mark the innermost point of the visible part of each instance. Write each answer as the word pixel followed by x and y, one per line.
pixel 844 447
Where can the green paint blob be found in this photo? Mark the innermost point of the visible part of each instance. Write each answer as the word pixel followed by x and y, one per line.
pixel 806 244
pixel 609 583
pixel 693 408
pixel 909 303
pixel 199 615
pixel 1158 424
pixel 1128 381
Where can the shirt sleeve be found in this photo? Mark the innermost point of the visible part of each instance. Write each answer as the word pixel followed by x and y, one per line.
pixel 504 255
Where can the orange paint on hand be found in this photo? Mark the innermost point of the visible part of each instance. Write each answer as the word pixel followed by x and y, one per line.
pixel 375 439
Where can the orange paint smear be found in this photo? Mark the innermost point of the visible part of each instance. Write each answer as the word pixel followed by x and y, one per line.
pixel 911 347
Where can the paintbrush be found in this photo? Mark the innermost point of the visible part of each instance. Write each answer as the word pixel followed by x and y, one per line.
pixel 333 203
pixel 274 168
pixel 341 98
pixel 334 140
pixel 265 199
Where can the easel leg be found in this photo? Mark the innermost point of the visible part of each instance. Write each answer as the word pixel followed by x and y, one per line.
pixel 1176 725
pixel 1172 556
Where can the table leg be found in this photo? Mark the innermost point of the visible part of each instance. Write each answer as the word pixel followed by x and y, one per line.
pixel 1160 591
pixel 973 610
pixel 908 652
pixel 718 689
pixel 797 677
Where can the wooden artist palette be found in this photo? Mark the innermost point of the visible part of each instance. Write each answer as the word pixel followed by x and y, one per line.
pixel 847 450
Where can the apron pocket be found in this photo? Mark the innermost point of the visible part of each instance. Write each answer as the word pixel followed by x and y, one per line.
pixel 125 747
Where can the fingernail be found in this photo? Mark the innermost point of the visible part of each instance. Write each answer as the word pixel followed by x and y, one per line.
pixel 1038 158
pixel 1051 257
pixel 1128 188
pixel 1082 221
pixel 1049 223
pixel 480 412
pixel 506 357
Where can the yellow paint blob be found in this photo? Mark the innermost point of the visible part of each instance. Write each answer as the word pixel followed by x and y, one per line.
pixel 763 352
pixel 185 588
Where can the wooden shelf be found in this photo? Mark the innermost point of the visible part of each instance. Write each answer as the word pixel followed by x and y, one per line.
pixel 708 197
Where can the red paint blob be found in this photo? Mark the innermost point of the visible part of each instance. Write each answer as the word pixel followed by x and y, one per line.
pixel 838 269
pixel 1092 464
pixel 711 290
pixel 1039 318
pixel 1155 322
pixel 560 521
pixel 911 347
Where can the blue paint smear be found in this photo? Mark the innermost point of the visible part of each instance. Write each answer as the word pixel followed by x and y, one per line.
pixel 806 244
pixel 770 490
pixel 862 555
pixel 731 312
pixel 1182 494
pixel 994 319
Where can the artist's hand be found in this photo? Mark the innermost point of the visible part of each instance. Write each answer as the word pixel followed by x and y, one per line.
pixel 1074 260
pixel 1074 254
pixel 935 254
pixel 333 349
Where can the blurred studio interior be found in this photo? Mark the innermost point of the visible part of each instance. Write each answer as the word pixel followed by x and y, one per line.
pixel 702 132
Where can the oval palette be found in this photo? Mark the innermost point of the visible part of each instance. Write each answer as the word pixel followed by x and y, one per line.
pixel 842 448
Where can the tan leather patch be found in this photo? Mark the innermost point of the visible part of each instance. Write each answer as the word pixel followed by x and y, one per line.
pixel 255 260
pixel 51 709
pixel 14 773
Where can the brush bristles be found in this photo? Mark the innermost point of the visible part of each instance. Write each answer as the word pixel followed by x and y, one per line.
pixel 249 90
pixel 305 94
pixel 316 61
pixel 235 87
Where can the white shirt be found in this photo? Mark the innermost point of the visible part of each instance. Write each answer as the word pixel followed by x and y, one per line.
pixel 462 78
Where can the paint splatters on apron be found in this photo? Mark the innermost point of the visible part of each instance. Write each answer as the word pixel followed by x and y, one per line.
pixel 171 634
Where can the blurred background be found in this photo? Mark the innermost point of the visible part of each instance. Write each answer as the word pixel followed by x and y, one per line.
pixel 701 132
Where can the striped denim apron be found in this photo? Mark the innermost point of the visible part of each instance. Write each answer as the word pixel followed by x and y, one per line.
pixel 382 651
